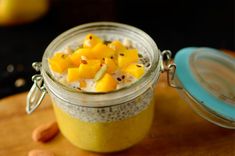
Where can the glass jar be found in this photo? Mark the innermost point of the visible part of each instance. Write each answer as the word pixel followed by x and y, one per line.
pixel 101 122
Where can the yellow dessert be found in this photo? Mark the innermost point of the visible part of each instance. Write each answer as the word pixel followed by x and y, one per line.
pixel 102 67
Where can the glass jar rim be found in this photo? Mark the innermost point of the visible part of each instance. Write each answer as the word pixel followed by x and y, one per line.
pixel 147 80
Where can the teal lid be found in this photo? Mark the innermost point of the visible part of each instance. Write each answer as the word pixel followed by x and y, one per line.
pixel 208 75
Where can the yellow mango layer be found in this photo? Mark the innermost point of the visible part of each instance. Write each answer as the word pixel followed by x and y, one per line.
pixel 105 136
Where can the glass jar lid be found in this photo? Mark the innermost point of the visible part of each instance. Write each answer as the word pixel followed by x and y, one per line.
pixel 207 77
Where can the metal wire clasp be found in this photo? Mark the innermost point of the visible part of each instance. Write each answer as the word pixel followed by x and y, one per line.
pixel 170 68
pixel 37 91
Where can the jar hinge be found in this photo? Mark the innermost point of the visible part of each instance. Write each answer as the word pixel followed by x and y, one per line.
pixel 37 91
pixel 169 67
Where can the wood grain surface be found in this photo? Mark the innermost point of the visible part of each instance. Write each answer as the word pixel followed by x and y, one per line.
pixel 176 130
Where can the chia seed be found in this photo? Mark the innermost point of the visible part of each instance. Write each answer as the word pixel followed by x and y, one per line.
pixel 119 79
pixel 107 42
pixel 140 56
pixel 63 56
pixel 83 61
pixel 147 65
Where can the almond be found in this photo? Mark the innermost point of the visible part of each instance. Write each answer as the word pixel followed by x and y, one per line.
pixel 45 132
pixel 37 152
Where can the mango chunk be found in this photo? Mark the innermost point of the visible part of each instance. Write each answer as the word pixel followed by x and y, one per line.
pixel 91 40
pixel 135 70
pixel 106 84
pixel 73 74
pixel 76 56
pixel 127 57
pixel 112 67
pixel 117 46
pixel 59 62
pixel 101 51
pixel 82 83
pixel 59 55
pixel 88 70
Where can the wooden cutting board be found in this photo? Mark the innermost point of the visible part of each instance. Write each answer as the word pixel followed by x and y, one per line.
pixel 176 130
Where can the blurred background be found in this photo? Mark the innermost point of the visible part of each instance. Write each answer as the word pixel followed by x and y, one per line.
pixel 172 24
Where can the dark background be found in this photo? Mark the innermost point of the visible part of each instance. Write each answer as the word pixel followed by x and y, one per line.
pixel 172 24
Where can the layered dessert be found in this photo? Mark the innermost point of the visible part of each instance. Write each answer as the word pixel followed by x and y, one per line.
pixel 100 66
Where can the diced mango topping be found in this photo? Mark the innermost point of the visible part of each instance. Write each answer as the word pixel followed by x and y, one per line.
pixel 127 57
pixel 73 74
pixel 77 55
pixel 101 51
pixel 89 69
pixel 117 46
pixel 136 70
pixel 106 84
pixel 91 40
pixel 58 55
pixel 59 62
pixel 102 66
pixel 82 83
